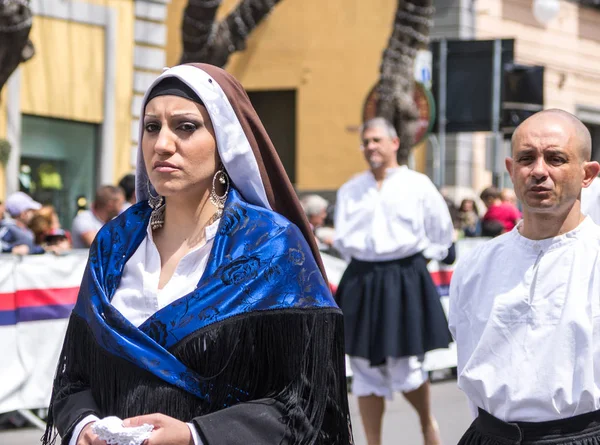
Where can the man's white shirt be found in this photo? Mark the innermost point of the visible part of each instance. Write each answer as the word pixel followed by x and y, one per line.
pixel 406 216
pixel 525 315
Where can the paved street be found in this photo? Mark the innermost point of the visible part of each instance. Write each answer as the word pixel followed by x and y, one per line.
pixel 400 423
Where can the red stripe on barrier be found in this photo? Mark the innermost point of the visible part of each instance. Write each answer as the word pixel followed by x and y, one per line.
pixel 43 297
pixel 441 277
pixel 7 301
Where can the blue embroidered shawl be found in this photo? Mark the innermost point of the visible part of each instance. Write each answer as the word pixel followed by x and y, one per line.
pixel 259 262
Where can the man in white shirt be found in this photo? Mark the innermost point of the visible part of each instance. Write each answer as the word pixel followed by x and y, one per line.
pixel 389 220
pixel 525 307
pixel 107 204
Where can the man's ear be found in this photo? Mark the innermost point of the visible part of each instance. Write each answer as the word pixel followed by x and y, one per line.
pixel 591 170
pixel 508 162
pixel 396 143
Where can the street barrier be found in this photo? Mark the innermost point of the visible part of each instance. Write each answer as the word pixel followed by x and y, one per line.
pixel 37 293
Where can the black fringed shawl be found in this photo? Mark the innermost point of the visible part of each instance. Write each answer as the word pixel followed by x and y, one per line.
pixel 253 356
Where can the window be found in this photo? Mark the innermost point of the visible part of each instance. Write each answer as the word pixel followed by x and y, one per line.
pixel 58 163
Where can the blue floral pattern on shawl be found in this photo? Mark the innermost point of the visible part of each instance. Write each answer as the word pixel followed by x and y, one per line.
pixel 259 262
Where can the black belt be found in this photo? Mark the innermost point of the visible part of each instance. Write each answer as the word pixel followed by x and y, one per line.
pixel 583 425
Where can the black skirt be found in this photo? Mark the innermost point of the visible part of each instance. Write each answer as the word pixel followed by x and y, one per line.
pixel 579 430
pixel 391 309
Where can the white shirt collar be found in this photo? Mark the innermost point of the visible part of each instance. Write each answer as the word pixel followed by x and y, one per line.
pixel 553 242
pixel 389 172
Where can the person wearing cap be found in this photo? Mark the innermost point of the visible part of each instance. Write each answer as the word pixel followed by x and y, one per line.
pixel 204 310
pixel 15 235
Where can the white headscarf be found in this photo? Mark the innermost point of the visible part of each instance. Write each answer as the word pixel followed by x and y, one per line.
pixel 233 146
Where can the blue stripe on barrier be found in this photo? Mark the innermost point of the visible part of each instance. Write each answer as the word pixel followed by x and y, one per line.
pixel 8 318
pixel 35 313
pixel 50 312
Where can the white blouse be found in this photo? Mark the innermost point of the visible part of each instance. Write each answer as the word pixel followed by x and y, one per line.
pixel 406 216
pixel 138 296
pixel 525 315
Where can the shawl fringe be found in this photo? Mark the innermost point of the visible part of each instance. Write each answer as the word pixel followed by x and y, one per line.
pixel 293 356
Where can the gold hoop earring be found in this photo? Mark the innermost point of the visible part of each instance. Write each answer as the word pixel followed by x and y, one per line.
pixel 219 201
pixel 157 204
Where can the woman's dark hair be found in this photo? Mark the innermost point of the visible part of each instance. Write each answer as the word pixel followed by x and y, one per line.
pixel 453 212
pixel 462 206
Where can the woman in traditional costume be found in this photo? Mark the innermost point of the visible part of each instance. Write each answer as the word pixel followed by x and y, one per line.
pixel 204 307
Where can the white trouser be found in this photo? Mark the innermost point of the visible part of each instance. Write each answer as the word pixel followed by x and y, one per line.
pixel 396 375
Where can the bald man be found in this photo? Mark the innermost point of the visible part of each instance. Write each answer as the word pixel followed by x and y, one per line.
pixel 525 306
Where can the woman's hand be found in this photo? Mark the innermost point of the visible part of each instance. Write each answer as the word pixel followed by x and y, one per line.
pixel 167 430
pixel 87 437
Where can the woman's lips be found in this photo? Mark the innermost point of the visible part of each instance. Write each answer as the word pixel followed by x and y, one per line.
pixel 165 167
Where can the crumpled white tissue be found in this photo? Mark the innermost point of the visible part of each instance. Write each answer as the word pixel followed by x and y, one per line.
pixel 112 431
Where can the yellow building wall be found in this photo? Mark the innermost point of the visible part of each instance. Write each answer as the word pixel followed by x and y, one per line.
pixel 330 52
pixel 65 78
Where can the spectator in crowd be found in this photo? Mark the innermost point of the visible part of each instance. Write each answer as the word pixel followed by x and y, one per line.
pixel 127 184
pixel 40 226
pixel 468 215
pixel 524 307
pixel 315 208
pixel 590 201
pixel 326 233
pixel 48 232
pixel 107 204
pixel 497 210
pixel 389 221
pixel 509 196
pixel 15 235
